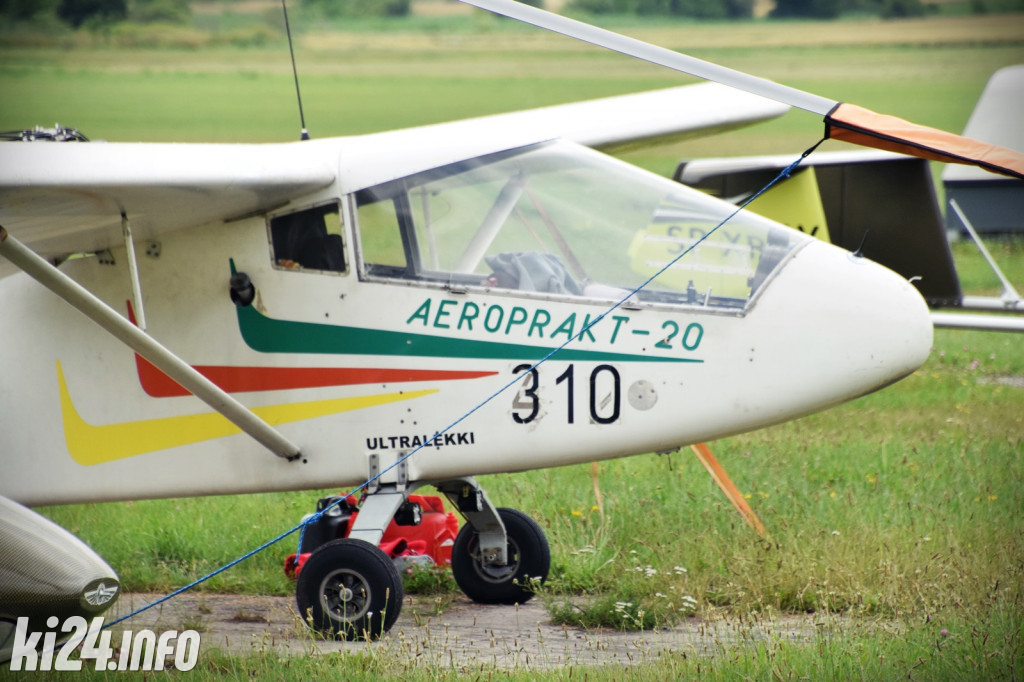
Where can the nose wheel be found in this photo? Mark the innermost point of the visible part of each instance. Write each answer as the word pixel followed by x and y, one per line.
pixel 528 558
pixel 349 589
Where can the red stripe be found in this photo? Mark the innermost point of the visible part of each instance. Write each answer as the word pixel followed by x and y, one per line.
pixel 240 379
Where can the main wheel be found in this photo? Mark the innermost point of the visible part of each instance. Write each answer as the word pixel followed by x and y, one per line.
pixel 349 589
pixel 528 558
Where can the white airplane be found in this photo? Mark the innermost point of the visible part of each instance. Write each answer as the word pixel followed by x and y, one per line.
pixel 339 304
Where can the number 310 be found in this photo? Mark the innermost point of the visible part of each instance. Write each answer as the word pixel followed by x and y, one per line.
pixel 601 412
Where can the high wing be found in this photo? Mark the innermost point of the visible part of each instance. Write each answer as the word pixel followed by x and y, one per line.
pixel 63 198
pixel 648 118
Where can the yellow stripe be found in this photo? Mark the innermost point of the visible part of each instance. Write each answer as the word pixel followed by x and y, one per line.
pixel 90 444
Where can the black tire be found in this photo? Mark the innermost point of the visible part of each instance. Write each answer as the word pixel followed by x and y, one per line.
pixel 528 558
pixel 349 589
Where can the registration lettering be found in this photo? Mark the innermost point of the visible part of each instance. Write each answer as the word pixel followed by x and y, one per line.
pixel 540 324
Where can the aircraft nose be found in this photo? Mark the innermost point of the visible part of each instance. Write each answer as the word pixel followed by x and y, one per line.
pixel 845 325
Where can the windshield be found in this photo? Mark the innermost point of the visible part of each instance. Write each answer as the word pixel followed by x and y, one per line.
pixel 557 218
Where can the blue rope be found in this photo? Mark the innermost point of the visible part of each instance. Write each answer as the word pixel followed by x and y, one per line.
pixel 783 174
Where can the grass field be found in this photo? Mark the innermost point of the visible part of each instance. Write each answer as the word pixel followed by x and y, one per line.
pixel 901 510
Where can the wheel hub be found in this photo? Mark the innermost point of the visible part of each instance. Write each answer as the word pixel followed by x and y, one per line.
pixel 497 573
pixel 345 595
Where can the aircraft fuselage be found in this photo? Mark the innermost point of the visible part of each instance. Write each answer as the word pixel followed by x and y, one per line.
pixel 409 322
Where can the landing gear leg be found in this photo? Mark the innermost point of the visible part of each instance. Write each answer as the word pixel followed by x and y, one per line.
pixel 499 551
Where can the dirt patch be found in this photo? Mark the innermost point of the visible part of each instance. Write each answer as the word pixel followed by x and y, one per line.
pixel 461 634
pixel 1011 380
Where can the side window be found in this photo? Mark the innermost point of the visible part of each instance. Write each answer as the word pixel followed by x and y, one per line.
pixel 309 240
pixel 384 249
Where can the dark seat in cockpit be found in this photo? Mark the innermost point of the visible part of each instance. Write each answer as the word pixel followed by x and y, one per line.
pixel 301 239
pixel 318 250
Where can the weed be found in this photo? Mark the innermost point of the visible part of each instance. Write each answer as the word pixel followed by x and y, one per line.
pixel 427 580
pixel 195 622
pixel 243 616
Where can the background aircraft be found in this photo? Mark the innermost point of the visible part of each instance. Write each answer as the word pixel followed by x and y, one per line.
pixel 886 205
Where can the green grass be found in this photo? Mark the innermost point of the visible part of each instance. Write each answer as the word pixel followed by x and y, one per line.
pixel 900 510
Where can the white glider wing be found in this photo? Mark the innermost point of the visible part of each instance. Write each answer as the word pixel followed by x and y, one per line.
pixel 646 118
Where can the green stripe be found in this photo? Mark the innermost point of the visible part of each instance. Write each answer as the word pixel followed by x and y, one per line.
pixel 268 335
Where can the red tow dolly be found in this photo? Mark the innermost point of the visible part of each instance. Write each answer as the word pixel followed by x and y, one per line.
pixel 422 532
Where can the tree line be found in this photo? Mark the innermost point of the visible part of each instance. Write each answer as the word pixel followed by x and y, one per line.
pixel 743 9
pixel 97 12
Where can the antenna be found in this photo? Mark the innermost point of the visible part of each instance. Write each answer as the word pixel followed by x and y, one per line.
pixel 859 253
pixel 295 72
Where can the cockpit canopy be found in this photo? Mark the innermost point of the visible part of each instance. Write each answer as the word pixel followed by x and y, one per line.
pixel 559 219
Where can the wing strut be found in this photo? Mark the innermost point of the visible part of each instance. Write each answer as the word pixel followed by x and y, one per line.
pixel 99 312
pixel 1009 298
pixel 133 271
